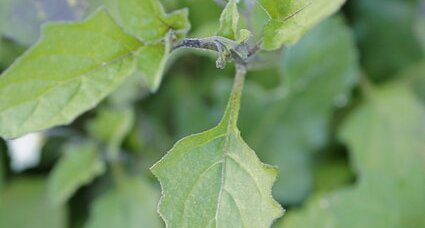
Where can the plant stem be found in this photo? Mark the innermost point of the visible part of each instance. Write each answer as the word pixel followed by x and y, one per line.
pixel 233 106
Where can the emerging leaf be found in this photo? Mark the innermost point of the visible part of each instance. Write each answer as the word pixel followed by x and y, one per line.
pixel 289 20
pixel 213 179
pixel 78 166
pixel 229 20
pixel 69 71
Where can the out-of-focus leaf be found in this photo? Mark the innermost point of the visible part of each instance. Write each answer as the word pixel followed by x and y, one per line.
pixel 2 167
pixel 203 15
pixel 9 50
pixel 130 205
pixel 420 25
pixel 229 20
pixel 385 34
pixel 78 166
pixel 213 179
pixel 111 126
pixel 24 204
pixel 68 72
pixel 147 20
pixel 130 91
pixel 290 20
pixel 330 175
pixel 21 20
pixel 292 121
pixel 385 137
pixel 415 78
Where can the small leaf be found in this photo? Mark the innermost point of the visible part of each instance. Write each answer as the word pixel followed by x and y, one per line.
pixel 68 72
pixel 385 138
pixel 147 20
pixel 289 20
pixel 213 179
pixel 78 166
pixel 132 205
pixel 24 204
pixel 229 20
pixel 111 126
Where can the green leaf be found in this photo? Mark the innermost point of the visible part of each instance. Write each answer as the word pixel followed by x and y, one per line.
pixel 414 76
pixel 420 27
pixel 2 167
pixel 147 20
pixel 385 137
pixel 287 124
pixel 24 204
pixel 131 205
pixel 289 20
pixel 78 166
pixel 213 179
pixel 229 20
pixel 110 127
pixel 151 62
pixel 69 71
pixel 371 21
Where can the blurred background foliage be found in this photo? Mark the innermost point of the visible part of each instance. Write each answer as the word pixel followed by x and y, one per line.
pixel 342 113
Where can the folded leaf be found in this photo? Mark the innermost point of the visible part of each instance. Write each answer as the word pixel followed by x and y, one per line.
pixel 78 166
pixel 69 71
pixel 213 179
pixel 289 20
pixel 147 20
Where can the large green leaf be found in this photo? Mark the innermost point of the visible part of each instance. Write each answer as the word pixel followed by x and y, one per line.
pixel 147 20
pixel 69 71
pixel 385 137
pixel 289 20
pixel 287 124
pixel 382 26
pixel 131 205
pixel 213 179
pixel 79 165
pixel 24 204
